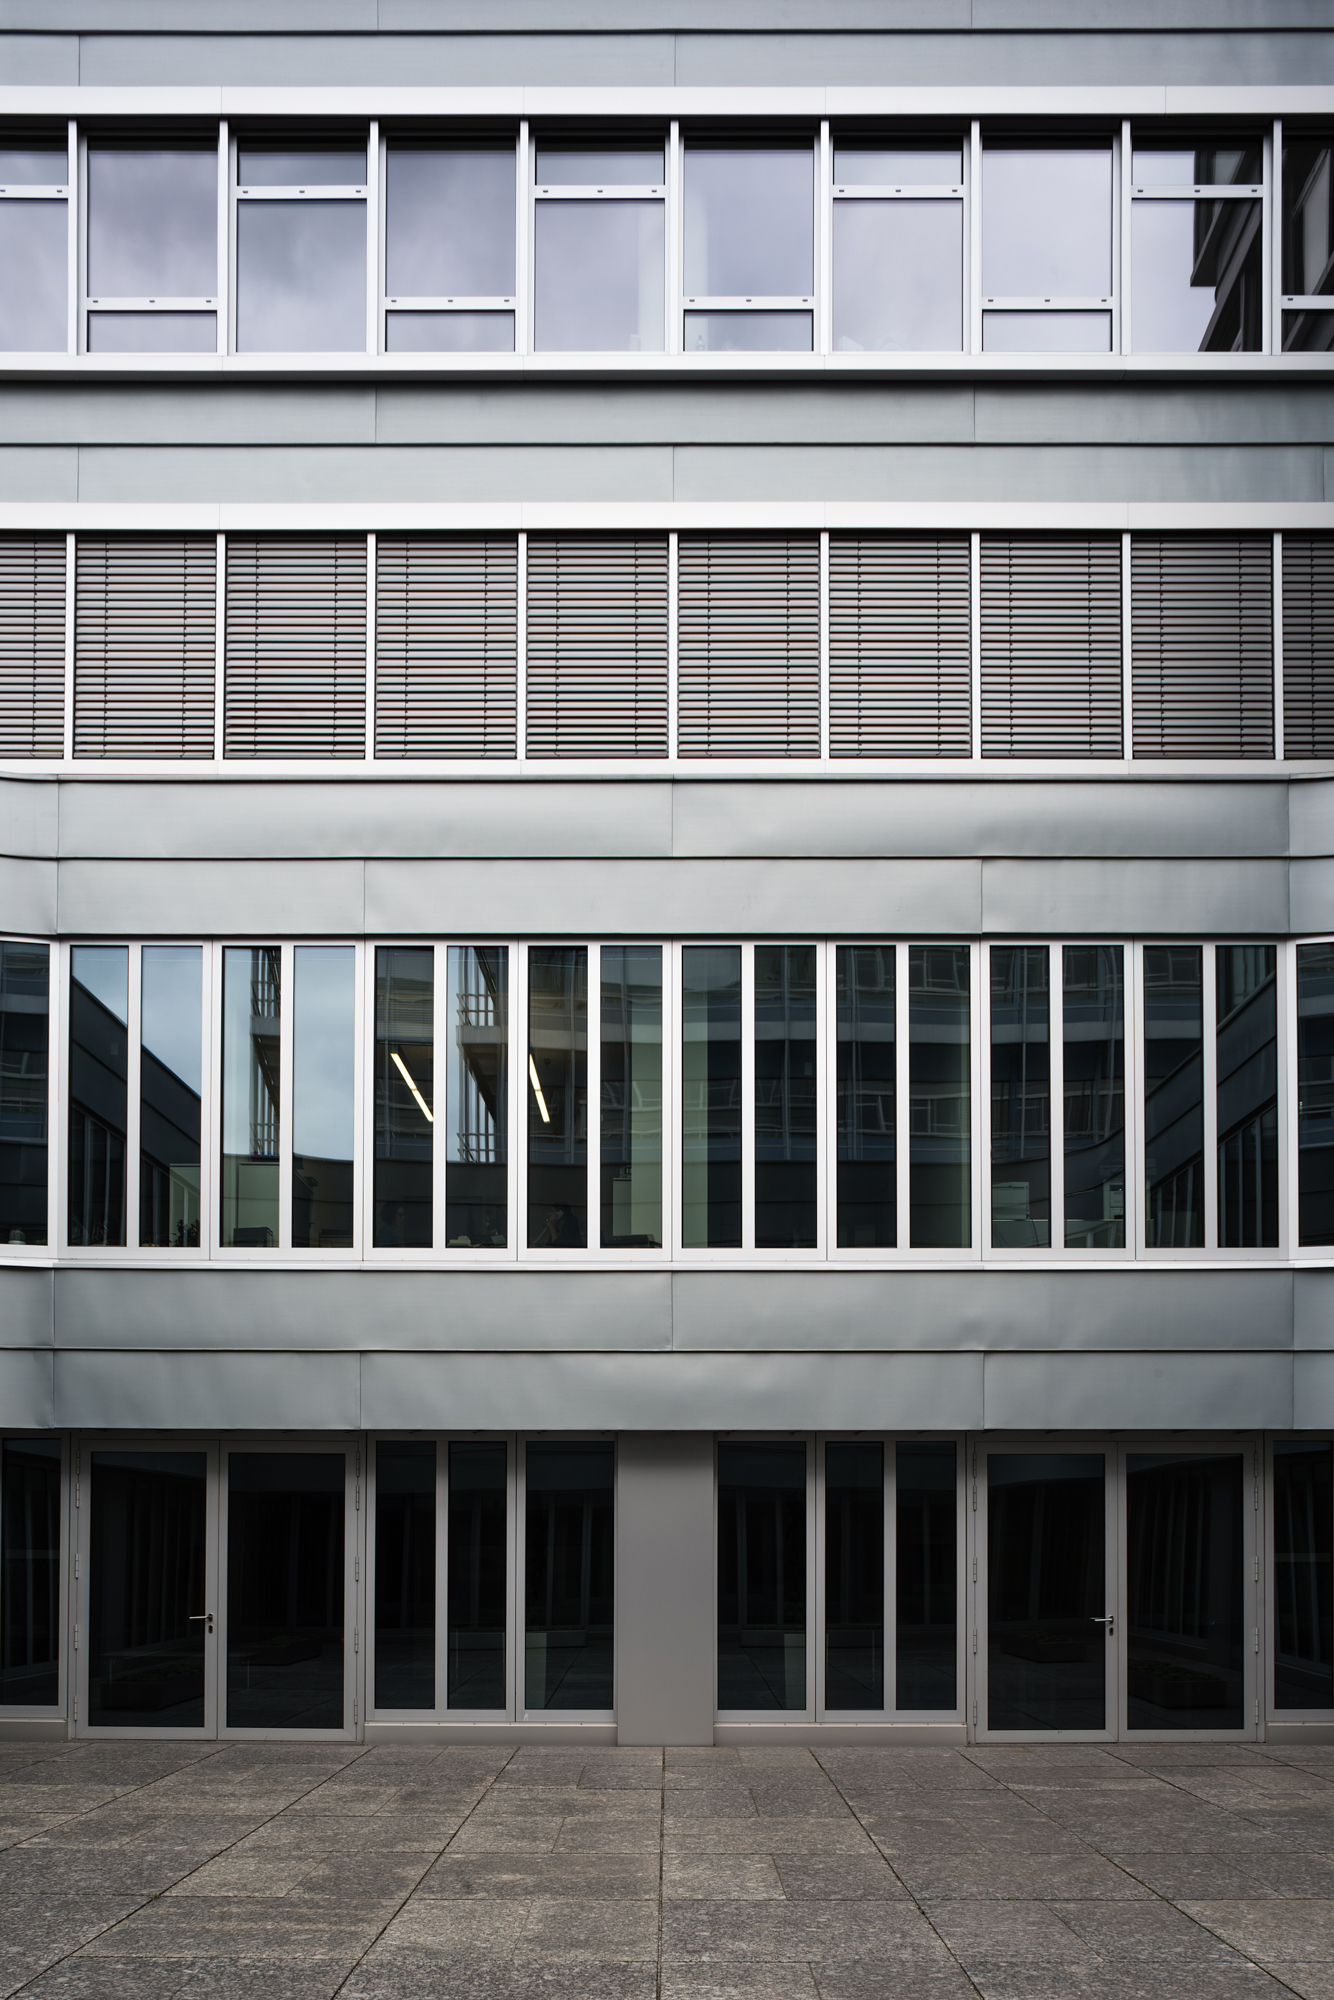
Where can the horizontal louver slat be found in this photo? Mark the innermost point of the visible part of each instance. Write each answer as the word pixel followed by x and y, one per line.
pixel 899 642
pixel 1308 645
pixel 748 648
pixel 296 646
pixel 1051 646
pixel 596 645
pixel 1202 645
pixel 32 645
pixel 446 645
pixel 145 645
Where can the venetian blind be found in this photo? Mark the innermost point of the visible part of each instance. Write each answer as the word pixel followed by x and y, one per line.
pixel 597 646
pixel 1202 645
pixel 748 647
pixel 1308 645
pixel 1051 646
pixel 145 645
pixel 899 638
pixel 32 645
pixel 296 646
pixel 446 645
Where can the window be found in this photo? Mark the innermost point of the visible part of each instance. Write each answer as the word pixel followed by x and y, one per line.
pixel 404 1097
pixel 599 247
pixel 405 1510
pixel 1303 1574
pixel 34 243
pixel 1196 245
pixel 569 1576
pixel 786 1097
pixel 301 248
pixel 711 1096
pixel 449 248
pixel 251 1030
pixel 1308 242
pixel 170 1096
pixel 477 1620
pixel 940 1097
pixel 762 1576
pixel 557 1097
pixel 866 1090
pixel 30 1597
pixel 1046 247
pixel 749 247
pixel 1173 1096
pixel 854 1571
pixel 477 1114
pixel 1020 1097
pixel 99 1015
pixel 631 1092
pixel 1315 1093
pixel 152 280
pixel 1094 1088
pixel 898 246
pixel 25 1022
pixel 323 1096
pixel 926 1508
pixel 1247 1013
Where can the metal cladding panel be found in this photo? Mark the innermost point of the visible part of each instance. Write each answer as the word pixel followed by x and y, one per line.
pixel 1308 645
pixel 27 1388
pixel 1202 645
pixel 446 645
pixel 1100 1392
pixel 207 1392
pixel 596 646
pixel 748 646
pixel 296 646
pixel 145 645
pixel 32 645
pixel 1051 646
pixel 899 646
pixel 665 1606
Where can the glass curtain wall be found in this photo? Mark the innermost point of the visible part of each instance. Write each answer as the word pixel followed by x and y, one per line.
pixel 1247 1015
pixel 170 1095
pixel 1308 240
pixel 251 1034
pixel 323 1095
pixel 477 1099
pixel 30 1541
pixel 1020 1097
pixel 569 1576
pixel 25 1029
pixel 405 1574
pixel 99 1011
pixel 449 248
pixel 1315 1093
pixel 557 1097
pixel 479 1574
pixel 711 1096
pixel 940 1097
pixel 285 1589
pixel 926 1508
pixel 866 1089
pixel 1303 1632
pixel 854 1595
pixel 600 247
pixel 1173 1097
pixel 786 1106
pixel 630 1081
pixel 762 1576
pixel 404 1097
pixel 1094 1089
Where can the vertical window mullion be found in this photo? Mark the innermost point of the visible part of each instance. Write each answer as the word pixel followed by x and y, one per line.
pixel 516 1001
pixel 1209 1010
pixel 1132 1084
pixel 287 1019
pixel 823 272
pixel 1123 298
pixel 213 1123
pixel 975 242
pixel 223 278
pixel 370 648
pixel 827 1084
pixel 902 1104
pixel 1274 263
pixel 1268 233
pixel 1285 1023
pixel 977 1037
pixel 441 1104
pixel 748 1097
pixel 672 334
pixel 74 223
pixel 593 1101
pixel 1127 674
pixel 975 644
pixel 229 239
pixel 523 260
pixel 1120 224
pixel 220 651
pixel 673 1102
pixel 824 645
pixel 78 167
pixel 362 1127
pixel 521 659
pixel 374 235
pixel 134 1035
pixel 817 1611
pixel 57 1102
pixel 890 1573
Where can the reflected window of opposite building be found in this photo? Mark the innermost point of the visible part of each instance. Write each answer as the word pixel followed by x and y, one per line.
pixel 1196 248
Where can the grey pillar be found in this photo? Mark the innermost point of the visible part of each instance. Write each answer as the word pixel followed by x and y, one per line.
pixel 665 1667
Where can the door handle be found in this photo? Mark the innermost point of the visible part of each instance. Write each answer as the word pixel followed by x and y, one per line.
pixel 204 1618
pixel 1109 1621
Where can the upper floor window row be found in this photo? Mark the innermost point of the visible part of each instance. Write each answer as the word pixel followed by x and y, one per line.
pixel 1114 239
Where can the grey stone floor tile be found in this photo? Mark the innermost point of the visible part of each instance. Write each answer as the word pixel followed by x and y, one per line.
pixel 1288 1929
pixel 485 1925
pixel 838 1878
pixel 872 1979
pixel 606 1876
pixel 991 1875
pixel 802 1930
pixel 1028 1930
pixel 1012 1979
pixel 765 1836
pixel 712 1877
pixel 565 1927
pixel 1144 1930
pixel 767 1979
pixel 1312 1981
pixel 418 1974
pixel 622 1836
pixel 511 1836
pixel 1182 1877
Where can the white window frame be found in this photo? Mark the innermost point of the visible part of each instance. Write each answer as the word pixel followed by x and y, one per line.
pixel 366 194
pixel 763 140
pixel 1260 192
pixel 142 139
pixel 448 140
pixel 537 196
pixel 906 140
pixel 1053 138
pixel 56 1104
pixel 1296 1251
pixel 59 191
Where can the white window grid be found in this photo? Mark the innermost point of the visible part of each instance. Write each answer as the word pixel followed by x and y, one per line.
pixel 62 191
pixel 82 303
pixel 814 302
pixel 999 304
pixel 442 302
pixel 366 193
pixel 535 193
pixel 962 196
pixel 1132 195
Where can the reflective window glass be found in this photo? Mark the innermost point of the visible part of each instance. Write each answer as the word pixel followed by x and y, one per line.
pixel 748 332
pixel 286 1586
pixel 99 1007
pixel 625 167
pixel 34 255
pixel 1046 333
pixel 1303 1575
pixel 449 223
pixel 477 1125
pixel 557 1098
pixel 1247 1008
pixel 1315 1093
pixel 939 1098
pixel 449 333
pixel 1094 1087
pixel 1185 1591
pixel 301 277
pixel 866 1091
pixel 1196 276
pixel 478 1575
pixel 147 1589
pixel 300 167
pixel 1046 1590
pixel 1308 214
pixel 152 333
pixel 711 1096
pixel 599 276
pixel 323 1095
pixel 405 1574
pixel 1173 1097
pixel 926 1579
pixel 898 276
pixel 1170 164
pixel 30 1572
pixel 898 166
pixel 170 1095
pixel 404 1096
pixel 631 1089
pixel 1047 222
pixel 762 1576
pixel 1308 333
pixel 1020 1097
pixel 25 1029
pixel 152 223
pixel 251 1027
pixel 36 165
pixel 569 1576
pixel 786 1108
pixel 854 1576
pixel 749 221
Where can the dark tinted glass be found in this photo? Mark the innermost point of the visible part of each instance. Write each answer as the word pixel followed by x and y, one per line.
pixel 1315 1093
pixel 34 256
pixel 631 1088
pixel 1247 1095
pixel 854 1572
pixel 711 1095
pixel 146 1583
pixel 557 1098
pixel 749 221
pixel 1020 1096
pixel 477 1128
pixel 1196 276
pixel 1046 222
pixel 762 1576
pixel 898 276
pixel 1046 1591
pixel 785 1096
pixel 285 1590
pixel 600 276
pixel 1303 1576
pixel 1308 333
pixel 1095 1097
pixel 98 1070
pixel 405 1575
pixel 1308 220
pixel 170 1080
pixel 323 1094
pixel 939 1097
pixel 251 1034
pixel 449 224
pixel 25 1025
pixel 1173 1096
pixel 404 1096
pixel 478 1575
pixel 30 1572
pixel 569 1573
pixel 1184 1591
pixel 152 223
pixel 301 277
pixel 867 1141
pixel 926 1624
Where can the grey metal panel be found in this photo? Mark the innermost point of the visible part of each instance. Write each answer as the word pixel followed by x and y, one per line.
pixel 1228 898
pixel 42 58
pixel 248 899
pixel 1156 1391
pixel 356 61
pixel 664 1589
pixel 455 17
pixel 29 815
pixel 39 472
pixel 138 413
pixel 1311 816
pixel 1313 1309
pixel 1311 895
pixel 162 475
pixel 28 896
pixel 1153 413
pixel 25 1307
pixel 1312 1391
pixel 209 1392
pixel 27 1393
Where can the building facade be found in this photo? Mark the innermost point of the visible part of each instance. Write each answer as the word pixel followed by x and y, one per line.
pixel 666 907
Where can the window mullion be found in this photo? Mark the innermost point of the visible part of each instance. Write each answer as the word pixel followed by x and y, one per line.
pixel 223 278
pixel 1268 234
pixel 975 237
pixel 1274 180
pixel 523 261
pixel 1126 219
pixel 675 210
pixel 74 219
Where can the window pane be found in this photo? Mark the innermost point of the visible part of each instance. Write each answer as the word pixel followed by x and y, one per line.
pixel 904 166
pixel 34 255
pixel 557 1098
pixel 940 1097
pixel 152 333
pixel 1095 1097
pixel 762 1576
pixel 30 1572
pixel 898 276
pixel 854 1576
pixel 1195 276
pixel 1185 1591
pixel 1047 333
pixel 36 165
pixel 99 1002
pixel 1315 1093
pixel 569 1569
pixel 152 224
pixel 1209 165
pixel 599 284
pixel 251 1026
pixel 926 1623
pixel 477 1127
pixel 300 168
pixel 749 222
pixel 1046 223
pixel 449 333
pixel 449 224
pixel 785 1096
pixel 405 1574
pixel 478 1575
pixel 1308 333
pixel 170 1085
pixel 404 1097
pixel 1303 1575
pixel 748 333
pixel 1020 1097
pixel 323 1094
pixel 1046 1588
pixel 867 1142
pixel 711 1096
pixel 631 1085
pixel 285 1588
pixel 25 1027
pixel 147 1585
pixel 301 277
pixel 1173 1097
pixel 1308 238
pixel 1247 1095
pixel 637 167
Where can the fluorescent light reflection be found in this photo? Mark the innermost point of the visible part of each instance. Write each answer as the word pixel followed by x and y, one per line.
pixel 537 1092
pixel 402 1069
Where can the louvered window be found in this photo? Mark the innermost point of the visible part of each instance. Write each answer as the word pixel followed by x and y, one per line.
pixel 1308 645
pixel 749 646
pixel 1051 646
pixel 446 645
pixel 899 638
pixel 145 645
pixel 597 646
pixel 32 645
pixel 1202 645
pixel 296 646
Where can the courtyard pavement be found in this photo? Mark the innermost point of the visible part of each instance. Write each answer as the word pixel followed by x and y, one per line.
pixel 299 1871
